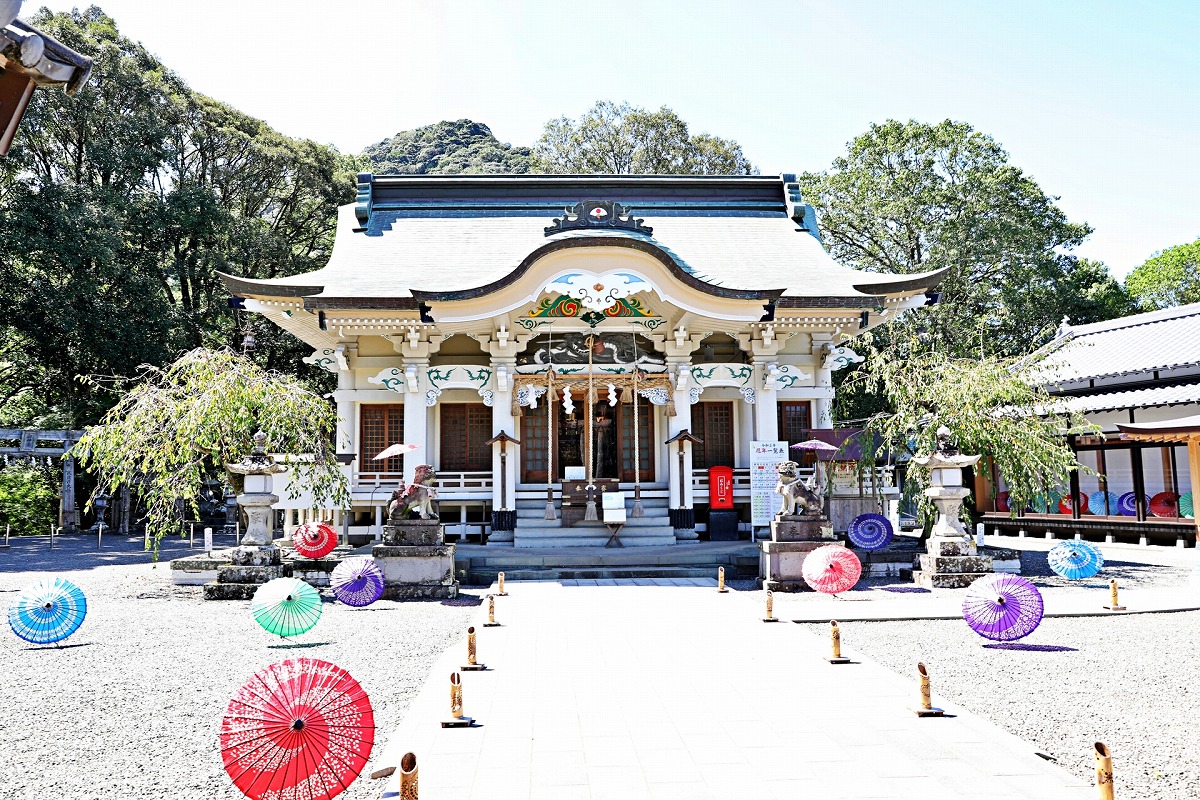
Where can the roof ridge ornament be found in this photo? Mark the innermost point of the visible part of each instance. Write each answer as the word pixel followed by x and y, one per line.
pixel 590 214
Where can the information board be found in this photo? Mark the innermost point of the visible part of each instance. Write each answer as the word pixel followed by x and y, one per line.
pixel 764 502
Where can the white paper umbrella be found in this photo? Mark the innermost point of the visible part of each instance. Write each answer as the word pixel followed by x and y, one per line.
pixel 397 450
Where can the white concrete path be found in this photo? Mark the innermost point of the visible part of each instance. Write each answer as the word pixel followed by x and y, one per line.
pixel 676 691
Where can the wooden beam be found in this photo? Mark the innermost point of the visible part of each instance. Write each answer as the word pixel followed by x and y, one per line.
pixel 1193 446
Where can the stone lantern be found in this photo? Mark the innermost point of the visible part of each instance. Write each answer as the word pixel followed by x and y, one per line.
pixel 952 559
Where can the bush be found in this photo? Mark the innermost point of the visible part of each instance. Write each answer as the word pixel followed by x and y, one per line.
pixel 27 498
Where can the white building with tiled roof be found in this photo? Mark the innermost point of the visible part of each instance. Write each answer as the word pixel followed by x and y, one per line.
pixel 594 319
pixel 1137 369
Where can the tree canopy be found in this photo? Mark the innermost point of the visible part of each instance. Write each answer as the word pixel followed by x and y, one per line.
pixel 911 197
pixel 177 425
pixel 622 139
pixel 1169 278
pixel 119 205
pixel 461 147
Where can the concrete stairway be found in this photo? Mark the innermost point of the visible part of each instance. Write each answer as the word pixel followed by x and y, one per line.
pixel 533 530
pixel 478 564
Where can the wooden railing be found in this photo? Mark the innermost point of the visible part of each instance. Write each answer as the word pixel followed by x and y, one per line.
pixel 741 480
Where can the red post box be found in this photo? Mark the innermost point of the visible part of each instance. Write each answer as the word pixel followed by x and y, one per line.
pixel 720 487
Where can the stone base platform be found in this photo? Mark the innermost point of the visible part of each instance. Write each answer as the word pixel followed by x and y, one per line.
pixel 416 571
pixel 249 567
pixel 781 565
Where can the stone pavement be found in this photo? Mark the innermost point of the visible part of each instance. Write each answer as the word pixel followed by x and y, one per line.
pixel 675 691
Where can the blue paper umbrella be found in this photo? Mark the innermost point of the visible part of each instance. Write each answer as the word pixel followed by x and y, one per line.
pixel 1103 503
pixel 1127 504
pixel 48 612
pixel 1075 560
pixel 870 531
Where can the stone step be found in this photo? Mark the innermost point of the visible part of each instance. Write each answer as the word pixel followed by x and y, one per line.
pixel 651 521
pixel 248 575
pixel 612 557
pixel 955 564
pixel 487 576
pixel 946 580
pixel 230 591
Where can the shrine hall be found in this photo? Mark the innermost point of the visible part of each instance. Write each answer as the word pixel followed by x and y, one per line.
pixel 542 340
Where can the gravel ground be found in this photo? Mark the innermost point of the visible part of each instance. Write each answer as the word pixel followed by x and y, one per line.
pixel 1126 681
pixel 130 706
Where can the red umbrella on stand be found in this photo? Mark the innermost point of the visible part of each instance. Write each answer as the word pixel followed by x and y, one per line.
pixel 301 729
pixel 832 569
pixel 314 539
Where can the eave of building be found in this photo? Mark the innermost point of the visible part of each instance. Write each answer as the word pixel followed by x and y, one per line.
pixel 40 57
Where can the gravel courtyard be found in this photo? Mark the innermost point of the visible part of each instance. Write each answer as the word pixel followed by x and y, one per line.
pixel 129 707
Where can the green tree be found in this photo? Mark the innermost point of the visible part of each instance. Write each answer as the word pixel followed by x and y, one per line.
pixel 620 139
pixel 993 406
pixel 461 147
pixel 27 499
pixel 910 197
pixel 179 424
pixel 1169 278
pixel 118 206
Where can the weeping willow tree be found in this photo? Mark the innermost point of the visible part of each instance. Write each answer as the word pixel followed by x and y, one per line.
pixel 995 406
pixel 181 423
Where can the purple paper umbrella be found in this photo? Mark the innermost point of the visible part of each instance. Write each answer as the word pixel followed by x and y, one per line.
pixel 357 581
pixel 870 531
pixel 1003 607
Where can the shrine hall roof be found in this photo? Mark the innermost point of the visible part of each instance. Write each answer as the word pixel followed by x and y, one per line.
pixel 422 237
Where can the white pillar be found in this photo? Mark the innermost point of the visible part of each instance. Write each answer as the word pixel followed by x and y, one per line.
pixel 766 407
pixel 416 420
pixel 503 419
pixel 680 422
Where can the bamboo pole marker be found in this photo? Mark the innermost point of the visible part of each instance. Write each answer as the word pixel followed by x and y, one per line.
pixel 472 665
pixel 1104 773
pixel 1113 603
pixel 500 588
pixel 721 580
pixel 491 623
pixel 926 709
pixel 835 644
pixel 770 617
pixel 408 777
pixel 457 720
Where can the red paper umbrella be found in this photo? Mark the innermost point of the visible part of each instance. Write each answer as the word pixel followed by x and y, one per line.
pixel 1002 502
pixel 832 569
pixel 1165 504
pixel 301 729
pixel 314 539
pixel 1064 505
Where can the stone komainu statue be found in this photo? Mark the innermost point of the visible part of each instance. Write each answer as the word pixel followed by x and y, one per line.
pixel 417 496
pixel 795 493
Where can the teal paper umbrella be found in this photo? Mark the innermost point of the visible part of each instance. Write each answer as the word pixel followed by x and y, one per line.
pixel 286 606
pixel 1075 560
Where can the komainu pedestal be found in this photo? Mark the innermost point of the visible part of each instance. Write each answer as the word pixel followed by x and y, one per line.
pixel 793 537
pixel 415 560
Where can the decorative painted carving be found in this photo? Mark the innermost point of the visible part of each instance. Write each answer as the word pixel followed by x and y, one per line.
pixel 656 395
pixel 599 292
pixel 705 375
pixel 591 214
pixel 694 394
pixel 783 376
pixel 431 396
pixel 570 307
pixel 606 349
pixel 486 394
pixel 527 396
pixel 391 379
pixel 839 357
pixel 323 359
pixel 748 394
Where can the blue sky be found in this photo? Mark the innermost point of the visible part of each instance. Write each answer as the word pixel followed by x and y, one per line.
pixel 1098 101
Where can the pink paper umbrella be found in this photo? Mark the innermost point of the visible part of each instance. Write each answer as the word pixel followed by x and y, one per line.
pixel 832 569
pixel 314 539
pixel 396 450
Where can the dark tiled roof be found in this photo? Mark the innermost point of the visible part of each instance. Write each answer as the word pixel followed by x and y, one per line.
pixel 442 237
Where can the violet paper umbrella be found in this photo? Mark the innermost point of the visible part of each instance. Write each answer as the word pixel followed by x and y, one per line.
pixel 357 581
pixel 832 569
pixel 1003 607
